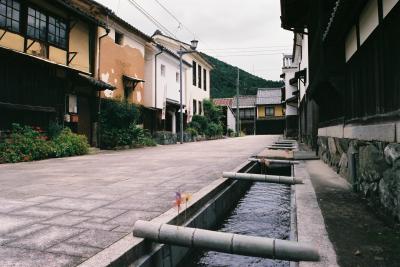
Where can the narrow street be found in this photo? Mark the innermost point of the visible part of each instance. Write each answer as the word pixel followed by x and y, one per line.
pixel 60 212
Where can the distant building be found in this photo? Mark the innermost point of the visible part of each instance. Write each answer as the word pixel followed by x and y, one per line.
pixel 247 113
pixel 229 118
pixel 270 111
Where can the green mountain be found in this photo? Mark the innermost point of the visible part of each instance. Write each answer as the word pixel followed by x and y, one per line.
pixel 223 80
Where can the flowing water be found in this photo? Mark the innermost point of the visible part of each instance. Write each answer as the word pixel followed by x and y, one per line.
pixel 263 211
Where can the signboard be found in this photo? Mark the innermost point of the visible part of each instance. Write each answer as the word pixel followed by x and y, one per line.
pixel 164 109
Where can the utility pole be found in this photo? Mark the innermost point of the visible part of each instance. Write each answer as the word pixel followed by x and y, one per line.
pixel 237 105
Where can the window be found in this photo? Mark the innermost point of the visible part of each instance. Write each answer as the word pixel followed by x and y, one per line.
pixel 57 34
pixel 162 70
pixel 119 38
pixel 9 14
pixel 37 24
pixel 72 104
pixel 194 107
pixel 46 28
pixel 200 108
pixel 269 111
pixel 247 113
pixel 199 76
pixel 177 77
pixel 205 79
pixel 194 73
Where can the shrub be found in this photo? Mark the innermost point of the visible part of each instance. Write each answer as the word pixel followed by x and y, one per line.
pixel 200 123
pixel 214 129
pixel 192 131
pixel 230 132
pixel 68 144
pixel 118 123
pixel 142 137
pixel 212 112
pixel 54 129
pixel 26 144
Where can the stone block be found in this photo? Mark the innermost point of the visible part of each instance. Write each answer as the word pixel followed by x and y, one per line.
pixel 392 153
pixel 74 250
pixel 75 204
pixel 10 223
pixel 372 163
pixel 375 132
pixel 95 238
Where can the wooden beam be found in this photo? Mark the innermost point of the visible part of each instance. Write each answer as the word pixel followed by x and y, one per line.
pixel 27 107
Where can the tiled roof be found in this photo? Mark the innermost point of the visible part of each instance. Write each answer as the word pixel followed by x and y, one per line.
pixel 245 101
pixel 223 102
pixel 269 96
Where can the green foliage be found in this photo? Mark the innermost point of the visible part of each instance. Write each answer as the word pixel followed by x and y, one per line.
pixel 209 124
pixel 118 125
pixel 214 129
pixel 230 132
pixel 199 123
pixel 54 129
pixel 192 131
pixel 27 144
pixel 118 114
pixel 212 112
pixel 223 80
pixel 68 144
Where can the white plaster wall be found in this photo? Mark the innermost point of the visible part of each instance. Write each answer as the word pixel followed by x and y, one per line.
pixel 388 6
pixel 129 38
pixel 149 90
pixel 351 43
pixel 169 83
pixel 231 120
pixel 303 65
pixel 289 89
pixel 369 20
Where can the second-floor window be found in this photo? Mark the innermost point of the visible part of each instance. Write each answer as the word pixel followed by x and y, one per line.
pixel 269 111
pixel 57 32
pixel 247 113
pixel 46 28
pixel 10 15
pixel 177 77
pixel 200 108
pixel 194 107
pixel 162 70
pixel 205 79
pixel 199 67
pixel 37 24
pixel 194 73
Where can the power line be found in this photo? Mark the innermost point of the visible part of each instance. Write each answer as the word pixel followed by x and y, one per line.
pixel 248 55
pixel 180 23
pixel 151 18
pixel 246 48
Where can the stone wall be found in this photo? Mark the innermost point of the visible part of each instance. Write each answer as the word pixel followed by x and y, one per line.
pixel 376 172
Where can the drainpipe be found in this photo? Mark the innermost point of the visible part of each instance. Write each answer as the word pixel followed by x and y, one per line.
pixel 226 242
pixel 155 74
pixel 98 77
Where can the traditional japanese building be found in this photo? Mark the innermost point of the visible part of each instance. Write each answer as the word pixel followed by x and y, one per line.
pixel 270 111
pixel 351 101
pixel 47 67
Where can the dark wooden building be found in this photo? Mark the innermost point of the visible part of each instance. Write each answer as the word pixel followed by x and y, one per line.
pixel 47 51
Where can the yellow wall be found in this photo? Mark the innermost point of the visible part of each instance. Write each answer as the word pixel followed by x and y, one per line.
pixel 278 111
pixel 79 42
pixel 261 111
pixel 12 40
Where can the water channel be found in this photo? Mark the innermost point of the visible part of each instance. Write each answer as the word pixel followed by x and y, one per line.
pixel 263 211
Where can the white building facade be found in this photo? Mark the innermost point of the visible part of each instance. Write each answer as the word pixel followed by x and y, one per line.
pixel 197 78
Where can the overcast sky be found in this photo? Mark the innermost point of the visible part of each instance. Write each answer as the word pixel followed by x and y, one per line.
pixel 243 33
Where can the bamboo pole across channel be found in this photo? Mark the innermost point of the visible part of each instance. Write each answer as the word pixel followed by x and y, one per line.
pixel 226 242
pixel 263 178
